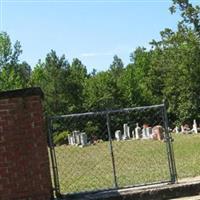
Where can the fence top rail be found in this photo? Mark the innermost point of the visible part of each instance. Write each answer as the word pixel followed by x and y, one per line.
pixel 105 112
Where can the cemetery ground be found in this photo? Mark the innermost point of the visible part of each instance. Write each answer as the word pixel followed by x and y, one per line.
pixel 136 161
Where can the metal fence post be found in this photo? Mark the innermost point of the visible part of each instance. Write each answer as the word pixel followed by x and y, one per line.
pixel 111 151
pixel 53 160
pixel 170 151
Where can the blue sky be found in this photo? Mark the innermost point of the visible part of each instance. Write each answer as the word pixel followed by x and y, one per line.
pixel 93 31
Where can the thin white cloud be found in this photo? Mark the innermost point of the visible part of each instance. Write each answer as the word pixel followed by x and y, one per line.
pixel 86 55
pixel 119 49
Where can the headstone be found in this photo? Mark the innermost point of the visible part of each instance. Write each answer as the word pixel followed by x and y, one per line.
pixel 78 138
pixel 74 136
pixel 195 126
pixel 157 133
pixel 71 140
pixel 148 132
pixel 83 139
pixel 144 133
pixel 126 134
pixel 137 132
pixel 170 129
pixel 118 135
pixel 186 129
pixel 182 129
pixel 176 129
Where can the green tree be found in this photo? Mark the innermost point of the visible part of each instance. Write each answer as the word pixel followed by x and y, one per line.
pixel 98 92
pixel 137 79
pixel 76 84
pixel 13 74
pixel 103 91
pixel 173 72
pixel 117 66
pixel 62 83
pixel 51 77
pixel 189 13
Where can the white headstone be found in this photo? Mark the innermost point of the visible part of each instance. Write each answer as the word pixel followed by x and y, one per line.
pixel 118 135
pixel 126 134
pixel 144 133
pixel 137 132
pixel 78 139
pixel 176 129
pixel 148 132
pixel 71 140
pixel 182 129
pixel 195 126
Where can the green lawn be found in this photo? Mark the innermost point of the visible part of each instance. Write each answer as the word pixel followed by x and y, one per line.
pixel 187 155
pixel 137 162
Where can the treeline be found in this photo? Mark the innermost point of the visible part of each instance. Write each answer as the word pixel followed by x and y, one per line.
pixel 170 70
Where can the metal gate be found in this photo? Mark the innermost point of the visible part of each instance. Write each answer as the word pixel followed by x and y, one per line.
pixel 110 149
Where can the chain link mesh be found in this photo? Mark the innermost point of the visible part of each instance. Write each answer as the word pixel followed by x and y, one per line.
pixel 140 161
pixel 101 150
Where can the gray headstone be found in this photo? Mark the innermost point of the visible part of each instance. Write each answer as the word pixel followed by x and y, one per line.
pixel 83 139
pixel 71 140
pixel 118 135
pixel 137 132
pixel 76 137
pixel 144 133
pixel 149 132
pixel 125 136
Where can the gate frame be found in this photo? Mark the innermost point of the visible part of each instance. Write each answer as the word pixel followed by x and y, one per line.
pixel 168 141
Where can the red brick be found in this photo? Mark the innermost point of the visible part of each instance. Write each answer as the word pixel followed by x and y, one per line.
pixel 24 164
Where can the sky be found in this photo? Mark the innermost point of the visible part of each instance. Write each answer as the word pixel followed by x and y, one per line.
pixel 91 30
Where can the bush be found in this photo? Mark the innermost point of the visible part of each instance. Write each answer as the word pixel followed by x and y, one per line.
pixel 60 138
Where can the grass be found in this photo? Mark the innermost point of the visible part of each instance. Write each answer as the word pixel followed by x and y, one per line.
pixel 187 155
pixel 136 162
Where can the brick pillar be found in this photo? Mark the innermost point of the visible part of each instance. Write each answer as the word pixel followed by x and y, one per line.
pixel 24 163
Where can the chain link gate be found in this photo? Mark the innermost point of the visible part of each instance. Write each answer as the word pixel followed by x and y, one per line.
pixel 107 161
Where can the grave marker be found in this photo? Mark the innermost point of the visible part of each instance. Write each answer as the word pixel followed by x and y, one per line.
pixel 137 132
pixel 118 135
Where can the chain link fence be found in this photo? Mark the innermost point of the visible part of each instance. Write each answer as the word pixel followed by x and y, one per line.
pixel 111 149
